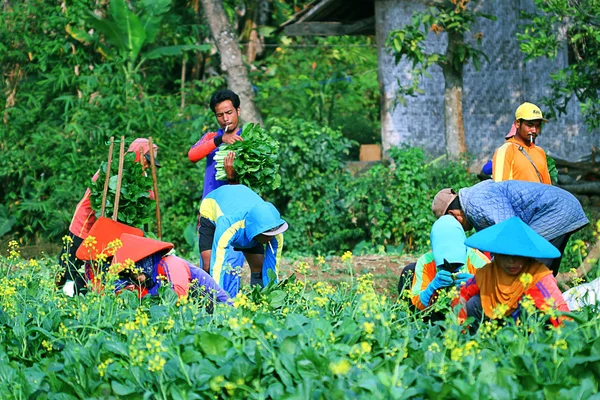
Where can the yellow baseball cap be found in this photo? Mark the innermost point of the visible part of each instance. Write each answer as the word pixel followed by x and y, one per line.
pixel 529 112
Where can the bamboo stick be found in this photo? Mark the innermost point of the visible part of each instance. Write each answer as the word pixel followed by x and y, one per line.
pixel 105 192
pixel 155 183
pixel 119 178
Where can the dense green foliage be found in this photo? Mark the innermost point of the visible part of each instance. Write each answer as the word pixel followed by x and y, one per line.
pixel 543 35
pixel 295 340
pixel 135 206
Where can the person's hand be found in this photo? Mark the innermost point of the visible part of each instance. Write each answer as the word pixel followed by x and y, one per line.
pixel 462 278
pixel 442 279
pixel 228 166
pixel 231 138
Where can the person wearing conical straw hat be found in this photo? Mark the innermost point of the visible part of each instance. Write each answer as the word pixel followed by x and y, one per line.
pixel 138 263
pixel 85 217
pixel 152 260
pixel 498 289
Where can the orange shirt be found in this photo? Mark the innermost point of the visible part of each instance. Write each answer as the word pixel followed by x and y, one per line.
pixel 509 163
pixel 425 272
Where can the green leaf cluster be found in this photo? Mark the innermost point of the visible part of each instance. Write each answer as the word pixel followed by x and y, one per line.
pixel 296 339
pixel 256 159
pixel 136 208
pixel 545 31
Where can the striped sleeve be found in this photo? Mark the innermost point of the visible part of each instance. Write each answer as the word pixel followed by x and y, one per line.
pixel 475 260
pixel 502 163
pixel 424 273
pixel 546 294
pixel 225 233
pixel 203 147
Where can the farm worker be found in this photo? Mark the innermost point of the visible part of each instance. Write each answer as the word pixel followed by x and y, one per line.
pixel 150 260
pixel 85 217
pixel 498 289
pixel 225 104
pixel 234 217
pixel 552 212
pixel 519 158
pixel 586 294
pixel 449 263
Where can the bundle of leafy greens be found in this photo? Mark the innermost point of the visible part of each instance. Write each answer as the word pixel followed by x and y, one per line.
pixel 135 206
pixel 256 159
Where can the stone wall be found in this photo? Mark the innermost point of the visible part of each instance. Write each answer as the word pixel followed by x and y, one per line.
pixel 491 95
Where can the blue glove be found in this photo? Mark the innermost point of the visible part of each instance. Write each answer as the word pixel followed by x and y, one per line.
pixel 442 279
pixel 461 278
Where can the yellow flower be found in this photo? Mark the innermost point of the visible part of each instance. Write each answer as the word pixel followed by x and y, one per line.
pixel 347 256
pixel 47 345
pixel 156 363
pixel 368 327
pixel 500 311
pixel 102 367
pixel 321 301
pixel 320 260
pixel 365 347
pixel 302 268
pixel 526 279
pixel 341 367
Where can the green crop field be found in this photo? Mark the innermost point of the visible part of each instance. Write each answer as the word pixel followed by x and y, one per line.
pixel 300 339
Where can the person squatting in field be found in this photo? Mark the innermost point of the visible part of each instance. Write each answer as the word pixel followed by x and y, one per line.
pixel 234 217
pixel 552 212
pixel 449 263
pixel 141 264
pixel 85 217
pixel 514 281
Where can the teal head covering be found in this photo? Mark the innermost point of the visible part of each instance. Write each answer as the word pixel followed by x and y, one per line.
pixel 514 238
pixel 448 241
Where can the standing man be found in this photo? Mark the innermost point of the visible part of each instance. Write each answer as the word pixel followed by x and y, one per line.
pixel 225 104
pixel 519 158
pixel 552 212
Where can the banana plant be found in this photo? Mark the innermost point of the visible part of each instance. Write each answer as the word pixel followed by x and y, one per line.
pixel 128 33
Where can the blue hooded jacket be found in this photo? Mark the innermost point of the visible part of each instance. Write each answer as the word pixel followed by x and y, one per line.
pixel 240 215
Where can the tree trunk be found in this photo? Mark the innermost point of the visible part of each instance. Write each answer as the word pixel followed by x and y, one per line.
pixel 455 129
pixel 231 58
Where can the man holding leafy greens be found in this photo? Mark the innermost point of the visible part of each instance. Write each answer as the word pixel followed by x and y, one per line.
pixel 225 104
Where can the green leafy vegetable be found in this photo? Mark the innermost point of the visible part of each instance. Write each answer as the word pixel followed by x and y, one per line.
pixel 135 206
pixel 256 159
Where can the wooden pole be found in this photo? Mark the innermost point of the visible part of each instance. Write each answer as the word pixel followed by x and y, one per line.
pixel 155 183
pixel 119 178
pixel 105 192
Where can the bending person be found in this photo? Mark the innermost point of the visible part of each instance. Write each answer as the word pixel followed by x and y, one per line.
pixel 552 212
pixel 234 217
